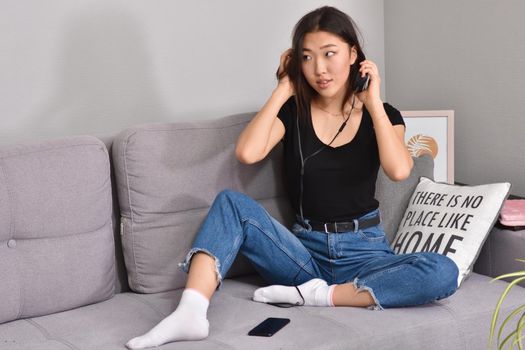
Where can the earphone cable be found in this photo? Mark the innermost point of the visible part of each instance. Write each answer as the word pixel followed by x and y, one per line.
pixel 303 160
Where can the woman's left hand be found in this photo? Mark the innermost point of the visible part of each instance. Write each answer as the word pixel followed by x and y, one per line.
pixel 371 97
pixel 393 154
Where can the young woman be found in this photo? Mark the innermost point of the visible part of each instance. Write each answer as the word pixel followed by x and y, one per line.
pixel 335 138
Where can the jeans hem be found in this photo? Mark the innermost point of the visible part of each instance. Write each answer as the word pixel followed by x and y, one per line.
pixel 361 287
pixel 185 266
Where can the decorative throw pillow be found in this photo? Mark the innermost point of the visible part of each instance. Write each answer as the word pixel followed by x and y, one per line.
pixel 451 220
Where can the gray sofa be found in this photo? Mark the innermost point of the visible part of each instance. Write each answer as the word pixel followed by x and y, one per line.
pixel 90 242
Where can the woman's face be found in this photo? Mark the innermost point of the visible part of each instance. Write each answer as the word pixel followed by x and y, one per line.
pixel 326 60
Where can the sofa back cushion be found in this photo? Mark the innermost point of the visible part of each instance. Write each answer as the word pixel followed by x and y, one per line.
pixel 167 177
pixel 56 241
pixel 393 196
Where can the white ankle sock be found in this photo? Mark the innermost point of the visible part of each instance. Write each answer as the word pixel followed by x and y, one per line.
pixel 187 322
pixel 316 292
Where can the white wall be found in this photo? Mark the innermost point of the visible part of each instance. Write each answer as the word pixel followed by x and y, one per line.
pixel 468 56
pixel 97 66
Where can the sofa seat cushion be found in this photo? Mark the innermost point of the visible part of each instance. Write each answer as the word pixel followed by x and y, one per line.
pixel 459 322
pixel 56 240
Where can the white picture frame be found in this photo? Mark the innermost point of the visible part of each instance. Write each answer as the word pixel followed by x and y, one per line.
pixel 432 132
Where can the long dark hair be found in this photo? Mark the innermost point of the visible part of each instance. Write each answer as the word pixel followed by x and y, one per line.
pixel 327 19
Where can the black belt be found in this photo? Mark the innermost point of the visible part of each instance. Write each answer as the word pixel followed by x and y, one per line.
pixel 339 227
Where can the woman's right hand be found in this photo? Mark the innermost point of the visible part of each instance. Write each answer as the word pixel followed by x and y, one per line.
pixel 285 84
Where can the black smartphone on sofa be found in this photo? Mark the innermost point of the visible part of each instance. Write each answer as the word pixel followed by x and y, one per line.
pixel 269 327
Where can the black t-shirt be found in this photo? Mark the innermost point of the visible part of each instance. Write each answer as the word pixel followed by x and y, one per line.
pixel 339 183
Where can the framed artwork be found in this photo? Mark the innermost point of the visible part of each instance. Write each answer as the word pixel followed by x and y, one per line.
pixel 432 132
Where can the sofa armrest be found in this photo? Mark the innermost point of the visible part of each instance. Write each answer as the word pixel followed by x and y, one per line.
pixel 498 255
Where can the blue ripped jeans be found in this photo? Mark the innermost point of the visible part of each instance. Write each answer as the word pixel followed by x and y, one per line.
pixel 236 223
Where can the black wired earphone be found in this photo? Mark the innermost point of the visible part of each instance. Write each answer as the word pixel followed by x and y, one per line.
pixel 303 160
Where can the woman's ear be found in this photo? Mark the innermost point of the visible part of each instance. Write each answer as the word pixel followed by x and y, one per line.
pixel 353 55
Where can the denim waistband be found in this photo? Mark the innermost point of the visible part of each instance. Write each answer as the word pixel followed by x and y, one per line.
pixel 367 220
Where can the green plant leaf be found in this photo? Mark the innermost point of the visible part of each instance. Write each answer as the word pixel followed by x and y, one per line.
pixel 513 274
pixel 511 316
pixel 518 341
pixel 498 307
pixel 519 330
pixel 506 340
pixel 500 302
